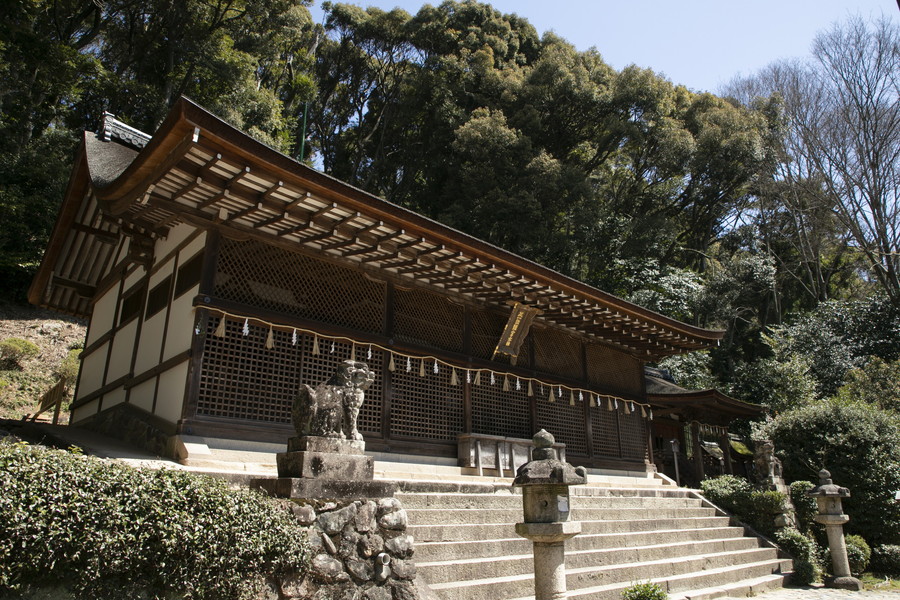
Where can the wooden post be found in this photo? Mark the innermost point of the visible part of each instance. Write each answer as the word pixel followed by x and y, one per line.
pixel 725 443
pixel 698 453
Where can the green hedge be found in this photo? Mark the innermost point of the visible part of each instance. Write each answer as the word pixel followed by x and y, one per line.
pixel 757 508
pixel 886 559
pixel 805 552
pixel 107 530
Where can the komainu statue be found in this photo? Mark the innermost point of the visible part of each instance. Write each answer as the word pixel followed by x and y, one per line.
pixel 331 409
pixel 768 466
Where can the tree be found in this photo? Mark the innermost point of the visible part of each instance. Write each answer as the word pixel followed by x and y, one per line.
pixel 840 161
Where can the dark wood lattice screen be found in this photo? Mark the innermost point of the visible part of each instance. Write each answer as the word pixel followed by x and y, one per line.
pixel 425 407
pixel 557 352
pixel 486 330
pixel 495 412
pixel 633 432
pixel 428 320
pixel 609 367
pixel 242 379
pixel 268 277
pixel 565 422
pixel 605 430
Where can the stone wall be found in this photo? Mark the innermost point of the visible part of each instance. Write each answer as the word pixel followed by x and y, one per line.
pixel 360 551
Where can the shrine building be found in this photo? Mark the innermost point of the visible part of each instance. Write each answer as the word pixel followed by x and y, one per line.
pixel 218 274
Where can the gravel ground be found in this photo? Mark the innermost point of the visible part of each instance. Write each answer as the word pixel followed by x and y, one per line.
pixel 823 593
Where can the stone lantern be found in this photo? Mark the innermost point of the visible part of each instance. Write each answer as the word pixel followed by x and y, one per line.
pixel 831 515
pixel 545 485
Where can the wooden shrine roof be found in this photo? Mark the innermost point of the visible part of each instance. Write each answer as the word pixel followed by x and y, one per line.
pixel 199 170
pixel 668 398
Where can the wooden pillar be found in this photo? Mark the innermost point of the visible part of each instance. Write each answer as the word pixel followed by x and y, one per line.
pixel 725 443
pixel 698 453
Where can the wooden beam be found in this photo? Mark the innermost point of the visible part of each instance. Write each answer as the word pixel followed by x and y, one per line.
pixel 83 289
pixel 102 236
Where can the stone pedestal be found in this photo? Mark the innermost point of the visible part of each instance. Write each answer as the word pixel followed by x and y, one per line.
pixel 325 458
pixel 548 540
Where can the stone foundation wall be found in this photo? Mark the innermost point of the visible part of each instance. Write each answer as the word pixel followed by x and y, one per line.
pixel 360 551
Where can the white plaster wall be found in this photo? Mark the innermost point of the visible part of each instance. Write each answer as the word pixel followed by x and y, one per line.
pixel 161 274
pixel 103 314
pixel 92 371
pixel 117 396
pixel 171 392
pixel 122 348
pixel 142 395
pixel 83 412
pixel 181 325
pixel 150 342
pixel 176 235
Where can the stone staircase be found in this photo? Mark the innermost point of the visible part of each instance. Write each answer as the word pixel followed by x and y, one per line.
pixel 467 548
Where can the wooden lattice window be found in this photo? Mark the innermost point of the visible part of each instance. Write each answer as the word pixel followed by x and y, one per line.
pixel 633 432
pixel 558 353
pixel 565 422
pixel 242 379
pixel 608 367
pixel 605 430
pixel 487 327
pixel 425 407
pixel 428 319
pixel 275 279
pixel 495 412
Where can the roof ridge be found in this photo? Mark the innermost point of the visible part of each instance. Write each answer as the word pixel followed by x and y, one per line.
pixel 114 129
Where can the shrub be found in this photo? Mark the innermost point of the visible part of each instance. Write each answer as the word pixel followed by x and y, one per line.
pixel 805 506
pixel 15 351
pixel 858 554
pixel 757 508
pixel 804 550
pixel 68 368
pixel 886 559
pixel 644 591
pixel 728 492
pixel 860 445
pixel 108 530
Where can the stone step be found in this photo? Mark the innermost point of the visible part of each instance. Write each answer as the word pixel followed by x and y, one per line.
pixel 608 583
pixel 453 516
pixel 736 589
pixel 514 501
pixel 435 551
pixel 710 552
pixel 424 532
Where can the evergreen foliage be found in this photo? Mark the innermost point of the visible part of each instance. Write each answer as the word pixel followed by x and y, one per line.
pixel 757 508
pixel 860 445
pixel 106 530
pixel 804 550
pixel 644 591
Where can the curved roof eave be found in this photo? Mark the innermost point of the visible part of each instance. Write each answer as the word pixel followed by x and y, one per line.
pixel 187 120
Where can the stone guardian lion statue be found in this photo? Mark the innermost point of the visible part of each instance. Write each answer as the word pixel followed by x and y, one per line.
pixel 331 409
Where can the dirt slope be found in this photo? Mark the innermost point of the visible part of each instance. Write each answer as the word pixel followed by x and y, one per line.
pixel 55 334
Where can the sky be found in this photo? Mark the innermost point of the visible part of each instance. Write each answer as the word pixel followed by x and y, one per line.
pixel 702 44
